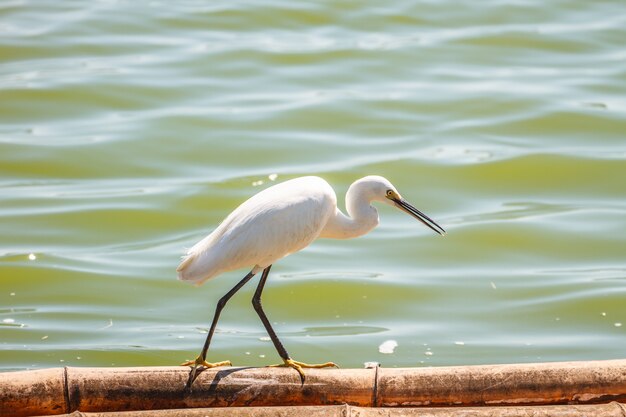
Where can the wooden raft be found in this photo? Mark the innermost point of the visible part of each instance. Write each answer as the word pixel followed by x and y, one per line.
pixel 538 389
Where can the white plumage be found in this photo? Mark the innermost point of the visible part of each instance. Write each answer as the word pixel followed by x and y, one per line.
pixel 270 225
pixel 276 222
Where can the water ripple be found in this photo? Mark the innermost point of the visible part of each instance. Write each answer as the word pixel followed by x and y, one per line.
pixel 130 130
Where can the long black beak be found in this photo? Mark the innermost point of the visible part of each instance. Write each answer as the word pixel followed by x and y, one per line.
pixel 404 206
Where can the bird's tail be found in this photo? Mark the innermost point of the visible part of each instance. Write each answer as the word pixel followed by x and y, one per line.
pixel 186 273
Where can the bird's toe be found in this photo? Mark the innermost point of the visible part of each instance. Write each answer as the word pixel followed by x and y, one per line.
pixel 202 362
pixel 298 366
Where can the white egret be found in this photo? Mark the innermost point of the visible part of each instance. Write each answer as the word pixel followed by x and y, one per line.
pixel 276 222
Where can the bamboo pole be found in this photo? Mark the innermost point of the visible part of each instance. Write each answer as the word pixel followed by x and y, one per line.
pixel 597 410
pixel 515 384
pixel 29 393
pixel 57 391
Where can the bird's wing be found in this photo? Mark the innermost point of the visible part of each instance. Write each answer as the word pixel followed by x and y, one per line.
pixel 262 230
pixel 272 231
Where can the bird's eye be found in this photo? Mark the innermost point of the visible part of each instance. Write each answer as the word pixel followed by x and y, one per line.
pixel 389 193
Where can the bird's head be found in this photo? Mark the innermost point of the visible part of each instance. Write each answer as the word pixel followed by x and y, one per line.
pixel 380 189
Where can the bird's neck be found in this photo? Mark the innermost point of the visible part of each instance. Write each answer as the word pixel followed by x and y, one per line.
pixel 362 217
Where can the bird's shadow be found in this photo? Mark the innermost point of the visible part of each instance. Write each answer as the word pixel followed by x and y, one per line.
pixel 219 375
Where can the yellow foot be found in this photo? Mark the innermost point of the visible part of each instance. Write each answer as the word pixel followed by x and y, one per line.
pixel 193 374
pixel 299 365
pixel 202 362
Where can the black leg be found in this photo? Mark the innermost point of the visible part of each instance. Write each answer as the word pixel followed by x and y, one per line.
pixel 220 306
pixel 287 361
pixel 256 302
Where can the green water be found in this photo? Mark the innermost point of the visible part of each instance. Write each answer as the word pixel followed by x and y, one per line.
pixel 129 129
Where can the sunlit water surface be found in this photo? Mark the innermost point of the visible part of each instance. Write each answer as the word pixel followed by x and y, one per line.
pixel 129 129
